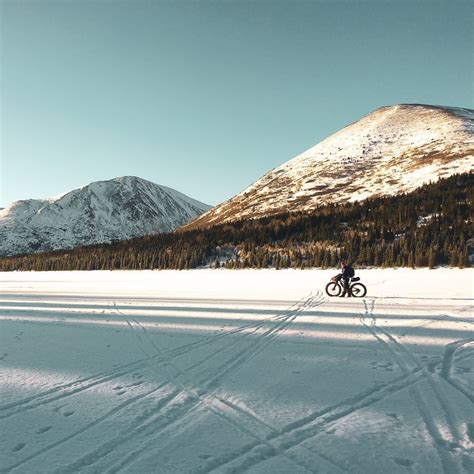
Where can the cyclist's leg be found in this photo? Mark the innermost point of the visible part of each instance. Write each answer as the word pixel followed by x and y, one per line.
pixel 345 285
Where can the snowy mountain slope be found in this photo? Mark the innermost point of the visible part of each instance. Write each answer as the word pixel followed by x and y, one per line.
pixel 102 211
pixel 390 151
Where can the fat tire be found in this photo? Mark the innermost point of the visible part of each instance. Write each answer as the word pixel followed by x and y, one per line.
pixel 360 290
pixel 333 289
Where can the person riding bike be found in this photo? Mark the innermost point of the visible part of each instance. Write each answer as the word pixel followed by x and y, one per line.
pixel 347 272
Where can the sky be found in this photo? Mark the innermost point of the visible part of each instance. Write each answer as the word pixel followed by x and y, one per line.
pixel 207 96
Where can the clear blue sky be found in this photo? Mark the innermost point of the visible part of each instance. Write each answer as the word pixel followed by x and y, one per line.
pixel 206 96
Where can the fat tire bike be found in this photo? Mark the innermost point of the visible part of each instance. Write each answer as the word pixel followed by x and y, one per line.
pixel 356 288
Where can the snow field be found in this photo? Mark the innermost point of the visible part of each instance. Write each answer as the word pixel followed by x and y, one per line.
pixel 232 371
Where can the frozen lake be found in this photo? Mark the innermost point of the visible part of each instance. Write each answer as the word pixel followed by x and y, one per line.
pixel 236 371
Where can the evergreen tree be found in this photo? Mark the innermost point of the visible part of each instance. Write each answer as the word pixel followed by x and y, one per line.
pixel 380 231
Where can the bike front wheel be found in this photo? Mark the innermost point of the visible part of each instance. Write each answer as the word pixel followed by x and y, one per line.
pixel 358 290
pixel 333 288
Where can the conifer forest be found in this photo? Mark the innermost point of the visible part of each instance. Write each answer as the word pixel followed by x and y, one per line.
pixel 429 227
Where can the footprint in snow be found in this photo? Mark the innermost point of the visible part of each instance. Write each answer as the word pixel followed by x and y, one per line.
pixel 118 387
pixel 4 356
pixel 378 365
pixel 121 393
pixel 44 429
pixel 205 456
pixel 18 447
pixel 296 372
pixel 392 415
pixel 68 413
pixel 403 462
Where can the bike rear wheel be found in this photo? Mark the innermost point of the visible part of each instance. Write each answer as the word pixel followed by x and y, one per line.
pixel 358 290
pixel 333 288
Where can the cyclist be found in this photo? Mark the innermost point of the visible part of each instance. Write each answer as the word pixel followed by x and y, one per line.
pixel 347 272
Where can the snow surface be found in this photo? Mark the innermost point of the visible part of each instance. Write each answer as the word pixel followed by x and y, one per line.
pixel 390 151
pixel 232 371
pixel 117 209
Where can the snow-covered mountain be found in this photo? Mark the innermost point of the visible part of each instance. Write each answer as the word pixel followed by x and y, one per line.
pixel 102 211
pixel 392 150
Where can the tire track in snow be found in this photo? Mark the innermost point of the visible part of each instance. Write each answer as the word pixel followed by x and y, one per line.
pixel 150 429
pixel 405 360
pixel 446 371
pixel 228 411
pixel 72 388
pixel 178 351
pixel 187 348
pixel 296 433
pixel 308 432
pixel 261 344
pixel 236 405
pixel 443 375
pixel 156 416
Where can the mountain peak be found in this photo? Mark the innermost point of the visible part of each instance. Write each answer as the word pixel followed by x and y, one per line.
pixel 99 212
pixel 128 180
pixel 391 150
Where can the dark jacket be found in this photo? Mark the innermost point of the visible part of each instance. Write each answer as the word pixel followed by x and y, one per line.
pixel 347 271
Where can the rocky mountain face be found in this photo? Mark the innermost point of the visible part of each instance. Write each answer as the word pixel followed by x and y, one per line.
pixel 390 151
pixel 100 212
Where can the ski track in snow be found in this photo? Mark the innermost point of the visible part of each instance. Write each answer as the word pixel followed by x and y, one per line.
pixel 160 398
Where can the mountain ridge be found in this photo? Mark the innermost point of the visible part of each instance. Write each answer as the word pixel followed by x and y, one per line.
pixel 98 212
pixel 390 150
pixel 430 226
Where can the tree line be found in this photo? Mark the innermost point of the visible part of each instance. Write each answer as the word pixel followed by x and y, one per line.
pixel 428 227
